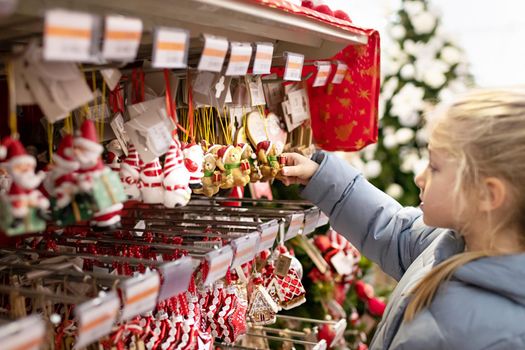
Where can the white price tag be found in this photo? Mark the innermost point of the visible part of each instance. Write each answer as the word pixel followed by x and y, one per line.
pixel 263 58
pixel 121 38
pixel 160 138
pixel 218 263
pixel 294 66
pixel 27 333
pixel 240 56
pixel 170 48
pixel 323 219
pixel 96 318
pixel 244 248
pixel 140 294
pixel 117 125
pixel 268 233
pixel 323 71
pixel 296 224
pixel 68 35
pixel 214 53
pixel 310 220
pixel 340 73
pixel 111 77
pixel 176 276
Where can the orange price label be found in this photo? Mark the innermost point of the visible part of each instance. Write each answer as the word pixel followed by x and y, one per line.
pixel 121 38
pixel 219 260
pixel 340 73
pixel 240 56
pixel 95 318
pixel 323 71
pixel 24 334
pixel 263 58
pixel 214 53
pixel 170 48
pixel 140 295
pixel 294 66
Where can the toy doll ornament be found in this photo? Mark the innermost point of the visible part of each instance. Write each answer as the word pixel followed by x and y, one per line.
pixel 212 177
pixel 193 158
pixel 229 161
pixel 151 178
pixel 114 152
pixel 130 173
pixel 270 160
pixel 248 157
pixel 23 207
pixel 177 191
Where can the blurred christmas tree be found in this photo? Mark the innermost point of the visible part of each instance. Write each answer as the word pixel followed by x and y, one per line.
pixel 421 66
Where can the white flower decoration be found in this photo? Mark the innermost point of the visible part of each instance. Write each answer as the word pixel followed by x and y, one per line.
pixel 413 8
pixel 423 23
pixel 408 72
pixel 407 101
pixel 404 135
pixel 398 32
pixel 395 191
pixel 372 169
pixel 389 141
pixel 451 55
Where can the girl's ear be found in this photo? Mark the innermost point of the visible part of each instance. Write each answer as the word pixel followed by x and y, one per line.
pixel 495 194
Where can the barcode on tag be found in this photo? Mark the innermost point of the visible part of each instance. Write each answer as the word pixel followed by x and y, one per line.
pixel 170 48
pixel 214 53
pixel 218 263
pixel 263 58
pixel 176 276
pixel 323 219
pixel 340 73
pixel 310 220
pixel 296 224
pixel 140 294
pixel 323 71
pixel 121 38
pixel 268 234
pixel 244 248
pixel 96 318
pixel 294 66
pixel 240 56
pixel 68 35
pixel 27 333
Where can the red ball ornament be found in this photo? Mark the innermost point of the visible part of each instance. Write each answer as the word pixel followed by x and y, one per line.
pixel 322 243
pixel 342 15
pixel 327 333
pixel 376 307
pixel 324 9
pixel 362 346
pixel 308 4
pixel 364 290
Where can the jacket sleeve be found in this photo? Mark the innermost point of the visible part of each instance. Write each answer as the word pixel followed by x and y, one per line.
pixel 376 224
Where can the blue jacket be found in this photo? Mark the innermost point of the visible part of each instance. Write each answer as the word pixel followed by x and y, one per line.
pixel 482 307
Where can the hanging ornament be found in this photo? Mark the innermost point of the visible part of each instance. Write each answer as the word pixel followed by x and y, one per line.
pixel 23 207
pixel 270 161
pixel 193 158
pixel 96 182
pixel 114 152
pixel 212 177
pixel 150 184
pixel 262 309
pixel 284 284
pixel 249 158
pixel 66 208
pixel 176 177
pixel 130 173
pixel 229 161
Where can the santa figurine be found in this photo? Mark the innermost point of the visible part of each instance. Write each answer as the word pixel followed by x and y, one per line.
pixel 193 159
pixel 95 180
pixel 130 173
pixel 150 185
pixel 176 177
pixel 114 152
pixel 24 205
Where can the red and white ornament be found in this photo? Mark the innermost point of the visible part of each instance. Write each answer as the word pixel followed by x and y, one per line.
pixel 150 185
pixel 114 152
pixel 176 177
pixel 63 173
pixel 193 159
pixel 130 173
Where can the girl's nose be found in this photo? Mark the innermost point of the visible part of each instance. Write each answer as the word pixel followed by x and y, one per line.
pixel 420 179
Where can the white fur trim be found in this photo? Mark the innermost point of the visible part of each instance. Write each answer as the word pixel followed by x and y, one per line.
pixel 90 145
pixel 115 219
pixel 126 167
pixel 112 208
pixel 23 159
pixel 65 164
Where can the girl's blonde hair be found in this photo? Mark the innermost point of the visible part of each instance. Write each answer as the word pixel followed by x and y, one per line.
pixel 484 130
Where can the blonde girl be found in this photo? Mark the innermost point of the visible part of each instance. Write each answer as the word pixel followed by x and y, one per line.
pixel 460 257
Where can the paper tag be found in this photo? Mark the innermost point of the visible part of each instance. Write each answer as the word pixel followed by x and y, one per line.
pixel 244 249
pixel 214 53
pixel 176 276
pixel 141 225
pixel 282 265
pixel 310 220
pixel 268 233
pixel 263 58
pixel 170 48
pixel 256 89
pixel 117 125
pixel 121 38
pixel 323 219
pixel 340 73
pixel 342 263
pixel 339 328
pixel 240 56
pixel 96 113
pixel 27 333
pixel 111 77
pixel 208 244
pixel 294 66
pixel 140 294
pixel 321 345
pixel 96 318
pixel 296 223
pixel 218 262
pixel 323 71
pixel 69 35
pixel 160 138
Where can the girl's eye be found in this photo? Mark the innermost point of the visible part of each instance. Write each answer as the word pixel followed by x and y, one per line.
pixel 432 168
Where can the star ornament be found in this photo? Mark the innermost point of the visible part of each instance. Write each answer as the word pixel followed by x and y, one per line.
pixel 364 94
pixel 345 102
pixel 359 144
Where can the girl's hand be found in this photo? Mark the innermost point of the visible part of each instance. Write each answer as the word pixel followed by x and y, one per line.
pixel 298 169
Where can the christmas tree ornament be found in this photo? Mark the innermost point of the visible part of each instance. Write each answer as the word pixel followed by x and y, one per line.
pixel 212 177
pixel 23 208
pixel 269 161
pixel 114 152
pixel 177 191
pixel 286 288
pixel 229 161
pixel 249 158
pixel 193 159
pixel 150 184
pixel 130 173
pixel 262 309
pixel 64 187
pixel 97 182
